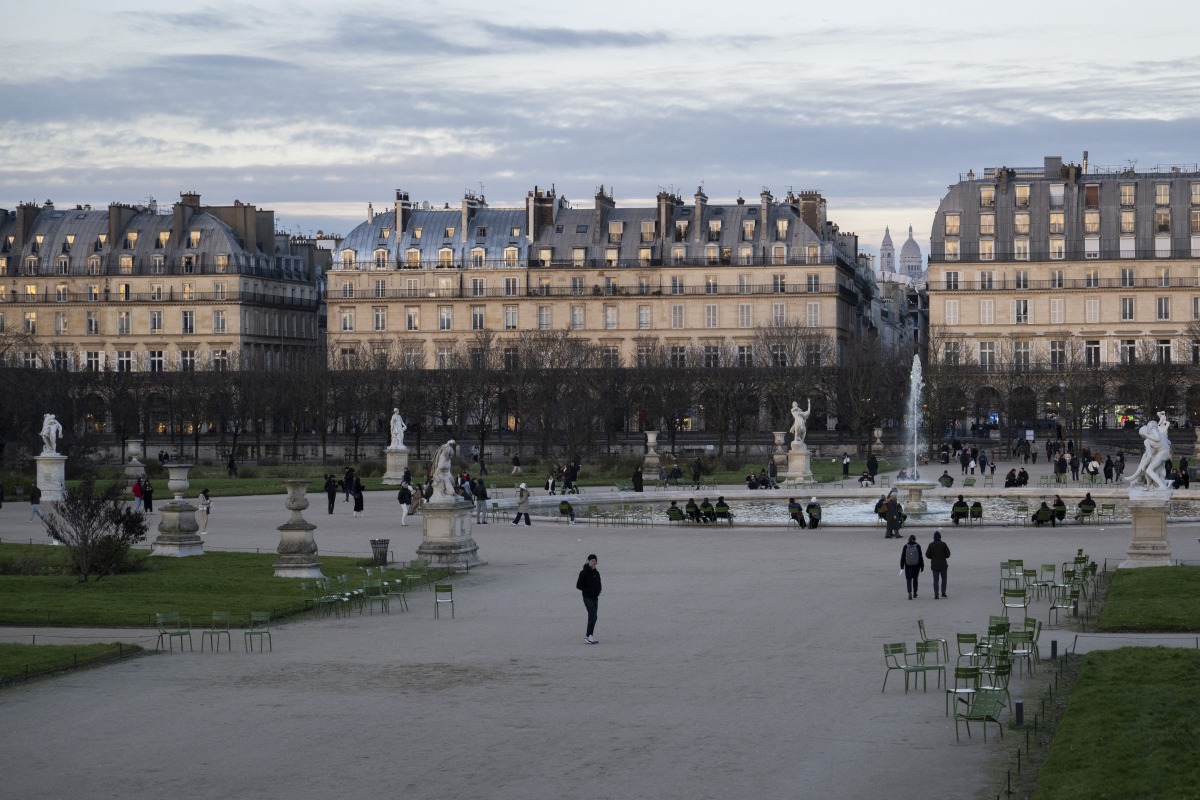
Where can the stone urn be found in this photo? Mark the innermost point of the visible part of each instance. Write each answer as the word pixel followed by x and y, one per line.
pixel 177 479
pixel 297 547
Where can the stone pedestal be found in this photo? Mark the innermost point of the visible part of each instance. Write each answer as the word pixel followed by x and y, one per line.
pixel 1196 450
pixel 51 476
pixel 1149 547
pixel 297 547
pixel 797 462
pixel 780 455
pixel 651 462
pixel 397 462
pixel 178 531
pixel 914 495
pixel 447 538
pixel 134 450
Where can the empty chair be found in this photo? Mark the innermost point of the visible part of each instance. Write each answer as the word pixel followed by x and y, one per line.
pixel 927 638
pixel 1020 649
pixel 968 644
pixel 896 657
pixel 395 589
pixel 1065 597
pixel 996 678
pixel 260 627
pixel 171 627
pixel 218 626
pixel 966 683
pixel 443 593
pixel 983 706
pixel 1045 580
pixel 1016 598
pixel 373 595
pixel 927 660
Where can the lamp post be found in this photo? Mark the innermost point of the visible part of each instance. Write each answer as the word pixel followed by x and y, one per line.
pixel 1062 412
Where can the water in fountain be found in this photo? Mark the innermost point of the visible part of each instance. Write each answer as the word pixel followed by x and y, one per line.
pixel 916 390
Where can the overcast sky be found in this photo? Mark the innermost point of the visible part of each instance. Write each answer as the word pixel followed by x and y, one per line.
pixel 314 109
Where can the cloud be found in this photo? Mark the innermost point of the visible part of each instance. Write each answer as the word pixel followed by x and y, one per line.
pixel 205 20
pixel 571 38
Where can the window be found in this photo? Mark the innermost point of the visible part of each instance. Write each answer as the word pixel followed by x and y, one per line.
pixel 1056 194
pixel 676 316
pixel 187 360
pixel 677 356
pixel 1162 351
pixel 445 318
pixel 187 322
pixel 1057 280
pixel 154 360
pixel 60 323
pixel 478 287
pixel 412 318
pixel 124 323
pixel 510 318
pixel 616 229
pixel 1162 220
pixel 1021 223
pixel 1127 351
pixel 220 360
pixel 987 250
pixel 951 354
pixel 1091 247
pixel 1091 195
pixel 579 256
pixel 1021 356
pixel 1162 194
pixel 610 317
pixel 1128 222
pixel 218 321
pixel 987 224
pixel 1022 196
pixel 712 356
pixel 1091 223
pixel 710 284
pixel 1091 352
pixel 744 316
pixel 511 359
pixel 953 225
pixel 1058 249
pixel 987 312
pixel 347 316
pixel 987 356
pixel 124 361
pixel 779 313
pixel 676 284
pixel 714 230
pixel 156 321
pixel 951 281
pixel 1058 355
pixel 1091 279
pixel 1020 249
pixel 1020 312
pixel 648 230
pixel 1126 278
pixel 1127 309
pixel 747 230
pixel 443 356
pixel 126 265
pixel 1057 223
pixel 710 315
pixel 511 287
pixel 1021 279
pixel 91 361
pixel 812 282
pixel 1091 310
pixel 951 312
pixel 93 323
pixel 643 354
pixel 745 355
pixel 987 196
pixel 1162 245
pixel 813 315
pixel 779 283
pixel 543 318
pixel 477 323
pixel 953 250
pixel 379 318
pixel 1163 308
pixel 643 317
pixel 1056 311
pixel 511 257
pixel 1128 194
pixel 610 357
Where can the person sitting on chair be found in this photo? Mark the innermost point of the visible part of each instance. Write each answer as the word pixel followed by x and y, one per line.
pixel 1043 515
pixel 946 480
pixel 1060 509
pixel 1010 480
pixel 977 510
pixel 751 481
pixel 796 512
pixel 566 508
pixel 706 511
pixel 814 513
pixel 692 510
pixel 1022 477
pixel 881 506
pixel 865 481
pixel 721 510
pixel 1087 507
pixel 959 510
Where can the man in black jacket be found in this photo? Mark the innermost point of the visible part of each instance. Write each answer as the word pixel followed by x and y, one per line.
pixel 589 584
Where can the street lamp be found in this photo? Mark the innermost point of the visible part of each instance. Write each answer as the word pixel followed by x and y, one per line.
pixel 1062 393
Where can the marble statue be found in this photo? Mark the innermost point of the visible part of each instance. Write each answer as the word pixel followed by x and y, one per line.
pixel 51 430
pixel 398 428
pixel 799 427
pixel 442 475
pixel 1158 451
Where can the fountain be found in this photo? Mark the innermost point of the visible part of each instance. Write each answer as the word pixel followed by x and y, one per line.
pixel 913 488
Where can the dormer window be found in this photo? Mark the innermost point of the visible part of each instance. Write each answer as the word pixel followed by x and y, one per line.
pixel 131 240
pixel 681 228
pixel 481 232
pixel 516 231
pixel 386 233
pixel 417 232
pixel 194 239
pixel 37 243
pixel 381 259
pixel 69 243
pixel 714 230
pixel 163 237
pixel 448 233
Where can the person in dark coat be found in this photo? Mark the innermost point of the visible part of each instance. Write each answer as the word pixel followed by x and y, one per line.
pixel 331 491
pixel 358 497
pixel 589 586
pixel 912 564
pixel 872 466
pixel 697 470
pixel 894 515
pixel 937 552
pixel 796 512
pixel 845 465
pixel 637 479
pixel 959 511
pixel 148 496
pixel 814 513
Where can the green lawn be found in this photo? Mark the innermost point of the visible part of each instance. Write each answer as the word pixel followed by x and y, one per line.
pixel 1129 730
pixel 1163 599
pixel 27 660
pixel 195 587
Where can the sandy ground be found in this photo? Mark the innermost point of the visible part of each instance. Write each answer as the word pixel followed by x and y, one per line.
pixel 732 662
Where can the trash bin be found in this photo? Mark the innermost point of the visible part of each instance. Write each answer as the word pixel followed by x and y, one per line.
pixel 379 551
pixel 20 494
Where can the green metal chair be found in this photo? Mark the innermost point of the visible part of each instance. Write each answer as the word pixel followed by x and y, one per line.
pixel 171 627
pixel 443 593
pixel 966 683
pixel 374 593
pixel 926 638
pixel 985 706
pixel 260 627
pixel 218 626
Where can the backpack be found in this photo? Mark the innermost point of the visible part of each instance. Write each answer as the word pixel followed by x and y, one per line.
pixel 912 554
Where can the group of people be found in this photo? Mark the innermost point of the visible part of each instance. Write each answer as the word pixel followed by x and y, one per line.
pixel 561 479
pixel 765 479
pixel 797 512
pixel 143 495
pixel 350 485
pixel 705 511
pixel 912 564
pixel 889 509
pixel 960 510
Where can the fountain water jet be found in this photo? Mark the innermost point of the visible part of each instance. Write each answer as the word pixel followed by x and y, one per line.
pixel 914 488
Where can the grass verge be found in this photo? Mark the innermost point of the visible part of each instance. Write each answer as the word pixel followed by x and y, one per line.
pixel 1161 600
pixel 24 661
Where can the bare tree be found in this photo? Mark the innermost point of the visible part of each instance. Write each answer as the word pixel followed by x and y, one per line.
pixel 97 529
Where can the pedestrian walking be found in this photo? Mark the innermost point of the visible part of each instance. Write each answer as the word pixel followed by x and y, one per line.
pixel 231 467
pixel 35 504
pixel 331 490
pixel 137 495
pixel 205 510
pixel 516 464
pixel 404 497
pixel 845 465
pixel 937 552
pixel 358 498
pixel 588 584
pixel 148 495
pixel 522 505
pixel 348 484
pixel 697 470
pixel 912 564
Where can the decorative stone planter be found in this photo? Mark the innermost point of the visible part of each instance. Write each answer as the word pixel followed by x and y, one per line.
pixel 178 531
pixel 297 547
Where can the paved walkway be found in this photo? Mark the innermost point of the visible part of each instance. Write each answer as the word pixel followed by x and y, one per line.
pixel 732 662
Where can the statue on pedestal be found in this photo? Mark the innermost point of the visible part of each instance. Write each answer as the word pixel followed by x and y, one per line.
pixel 1157 453
pixel 398 428
pixel 51 430
pixel 799 427
pixel 442 475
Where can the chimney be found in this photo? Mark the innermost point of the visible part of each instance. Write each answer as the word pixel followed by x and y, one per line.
pixel 403 212
pixel 766 202
pixel 540 208
pixel 666 214
pixel 119 217
pixel 698 232
pixel 470 205
pixel 27 214
pixel 370 213
pixel 1052 167
pixel 604 204
pixel 812 211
